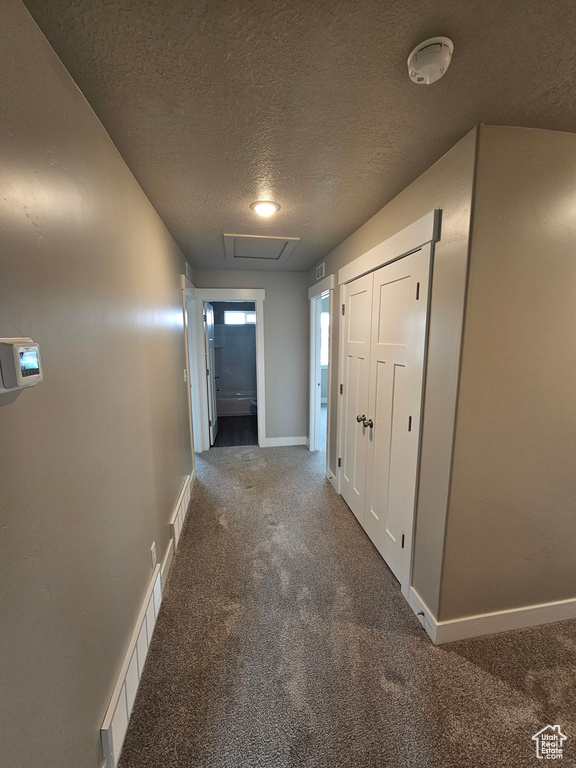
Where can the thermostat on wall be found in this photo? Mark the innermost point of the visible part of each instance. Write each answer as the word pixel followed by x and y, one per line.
pixel 20 364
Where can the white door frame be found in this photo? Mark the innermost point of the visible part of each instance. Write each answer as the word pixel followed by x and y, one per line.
pixel 256 295
pixel 421 232
pixel 209 366
pixel 313 398
pixel 190 374
pixel 328 284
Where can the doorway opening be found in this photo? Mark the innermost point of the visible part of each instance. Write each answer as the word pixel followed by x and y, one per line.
pixel 213 375
pixel 233 357
pixel 321 320
pixel 321 297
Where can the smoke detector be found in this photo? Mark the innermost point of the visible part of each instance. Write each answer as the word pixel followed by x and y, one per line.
pixel 430 60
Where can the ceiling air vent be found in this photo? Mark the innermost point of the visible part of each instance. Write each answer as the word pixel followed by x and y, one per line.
pixel 259 248
pixel 320 271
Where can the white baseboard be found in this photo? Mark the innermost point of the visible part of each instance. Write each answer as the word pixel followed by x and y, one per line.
pixel 490 623
pixel 423 613
pixel 281 442
pixel 179 515
pixel 167 563
pixel 115 723
pixel 117 716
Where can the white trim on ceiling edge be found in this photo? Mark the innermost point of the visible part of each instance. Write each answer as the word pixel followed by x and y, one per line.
pixel 115 724
pixel 489 623
pixel 413 237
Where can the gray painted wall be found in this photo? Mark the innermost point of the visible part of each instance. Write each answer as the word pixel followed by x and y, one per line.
pixel 446 185
pixel 286 340
pixel 512 517
pixel 92 459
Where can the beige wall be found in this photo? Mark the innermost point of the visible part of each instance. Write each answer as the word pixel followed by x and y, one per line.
pixel 512 517
pixel 91 459
pixel 446 185
pixel 286 330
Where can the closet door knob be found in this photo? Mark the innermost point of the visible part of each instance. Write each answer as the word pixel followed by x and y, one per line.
pixel 368 423
pixel 361 418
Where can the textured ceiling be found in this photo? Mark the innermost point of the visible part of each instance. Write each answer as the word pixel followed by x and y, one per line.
pixel 216 103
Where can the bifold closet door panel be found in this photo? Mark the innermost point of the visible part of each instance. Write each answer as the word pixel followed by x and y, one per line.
pixel 395 395
pixel 355 380
pixel 384 344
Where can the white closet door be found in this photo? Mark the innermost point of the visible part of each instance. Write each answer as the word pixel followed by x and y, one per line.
pixel 355 380
pixel 397 348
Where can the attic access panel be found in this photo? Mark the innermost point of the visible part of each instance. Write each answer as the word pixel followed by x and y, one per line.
pixel 259 248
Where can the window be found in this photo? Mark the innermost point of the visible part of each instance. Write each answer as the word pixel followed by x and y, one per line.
pixel 239 318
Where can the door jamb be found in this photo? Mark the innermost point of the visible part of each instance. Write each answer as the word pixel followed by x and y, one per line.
pixel 188 300
pixel 209 380
pixel 328 284
pixel 313 384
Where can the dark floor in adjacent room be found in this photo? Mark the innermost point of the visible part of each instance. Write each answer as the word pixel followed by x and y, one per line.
pixel 283 642
pixel 236 430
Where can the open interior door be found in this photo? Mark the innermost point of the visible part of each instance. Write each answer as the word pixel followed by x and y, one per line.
pixel 210 370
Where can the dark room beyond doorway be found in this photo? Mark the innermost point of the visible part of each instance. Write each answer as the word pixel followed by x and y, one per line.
pixel 235 373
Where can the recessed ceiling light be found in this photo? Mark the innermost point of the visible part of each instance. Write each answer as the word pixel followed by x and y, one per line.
pixel 265 207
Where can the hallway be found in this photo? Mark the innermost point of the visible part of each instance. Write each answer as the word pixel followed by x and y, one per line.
pixel 283 641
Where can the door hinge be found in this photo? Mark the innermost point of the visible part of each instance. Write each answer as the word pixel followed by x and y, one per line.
pixel 207 371
pixel 402 541
pixel 417 291
pixel 343 309
pixel 210 424
pixel 339 462
pixel 341 389
pixel 409 423
pixel 204 318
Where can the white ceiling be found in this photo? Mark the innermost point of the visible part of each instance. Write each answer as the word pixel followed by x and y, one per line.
pixel 216 103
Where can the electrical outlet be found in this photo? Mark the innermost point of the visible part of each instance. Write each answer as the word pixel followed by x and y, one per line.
pixel 153 554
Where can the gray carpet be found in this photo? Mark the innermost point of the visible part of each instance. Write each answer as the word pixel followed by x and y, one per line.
pixel 283 641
